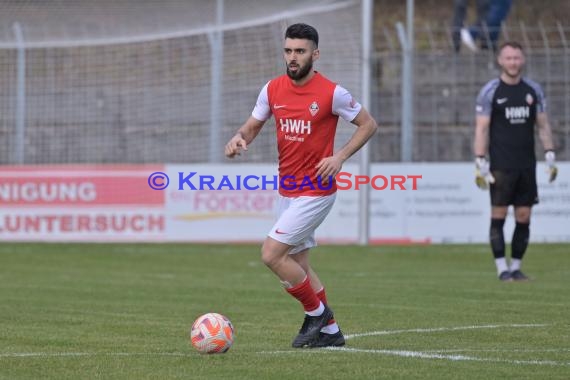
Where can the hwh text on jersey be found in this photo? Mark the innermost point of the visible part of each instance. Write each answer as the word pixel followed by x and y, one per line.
pixel 517 115
pixel 295 126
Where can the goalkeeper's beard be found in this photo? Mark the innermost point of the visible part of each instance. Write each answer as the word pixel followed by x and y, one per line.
pixel 302 71
pixel 514 73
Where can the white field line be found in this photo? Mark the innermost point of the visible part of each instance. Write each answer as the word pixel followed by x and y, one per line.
pixel 419 355
pixel 557 350
pixel 78 354
pixel 431 354
pixel 435 354
pixel 438 329
pixel 427 355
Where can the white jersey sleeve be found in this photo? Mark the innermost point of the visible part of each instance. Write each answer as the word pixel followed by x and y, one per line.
pixel 262 111
pixel 344 104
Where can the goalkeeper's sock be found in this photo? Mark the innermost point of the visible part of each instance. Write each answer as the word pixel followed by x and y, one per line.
pixel 497 238
pixel 305 294
pixel 520 240
pixel 501 264
pixel 515 265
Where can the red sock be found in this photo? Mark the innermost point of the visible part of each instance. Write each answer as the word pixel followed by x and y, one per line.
pixel 323 297
pixel 305 294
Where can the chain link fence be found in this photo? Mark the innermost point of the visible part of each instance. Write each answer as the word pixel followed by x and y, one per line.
pixel 150 101
pixel 446 85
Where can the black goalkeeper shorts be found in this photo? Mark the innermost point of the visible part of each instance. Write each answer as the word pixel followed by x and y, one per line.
pixel 515 187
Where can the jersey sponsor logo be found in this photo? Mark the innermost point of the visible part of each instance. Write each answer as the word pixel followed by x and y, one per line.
pixel 529 99
pixel 278 106
pixel 314 108
pixel 502 100
pixel 517 115
pixel 517 112
pixel 295 126
pixel 294 138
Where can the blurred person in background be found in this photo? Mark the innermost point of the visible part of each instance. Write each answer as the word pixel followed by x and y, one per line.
pixel 487 28
pixel 507 110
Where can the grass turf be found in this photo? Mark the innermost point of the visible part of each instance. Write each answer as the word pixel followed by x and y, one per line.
pixel 122 311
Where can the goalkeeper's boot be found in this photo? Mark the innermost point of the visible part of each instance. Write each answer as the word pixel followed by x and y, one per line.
pixel 311 328
pixel 505 276
pixel 328 340
pixel 517 275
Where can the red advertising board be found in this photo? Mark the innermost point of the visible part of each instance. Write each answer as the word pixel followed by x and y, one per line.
pixel 80 202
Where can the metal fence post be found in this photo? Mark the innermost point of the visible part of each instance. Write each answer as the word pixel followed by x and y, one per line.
pixel 20 135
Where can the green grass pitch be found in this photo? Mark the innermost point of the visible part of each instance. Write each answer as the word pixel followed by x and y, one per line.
pixel 123 311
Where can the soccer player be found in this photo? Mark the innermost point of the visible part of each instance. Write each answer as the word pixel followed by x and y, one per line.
pixel 306 107
pixel 507 109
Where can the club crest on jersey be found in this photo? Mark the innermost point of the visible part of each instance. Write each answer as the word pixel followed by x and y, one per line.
pixel 529 99
pixel 314 108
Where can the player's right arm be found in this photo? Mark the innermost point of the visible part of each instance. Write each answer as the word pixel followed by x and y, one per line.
pixel 484 107
pixel 482 123
pixel 243 137
pixel 483 174
pixel 249 130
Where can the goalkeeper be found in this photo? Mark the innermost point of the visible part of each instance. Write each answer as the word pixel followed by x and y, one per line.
pixel 507 110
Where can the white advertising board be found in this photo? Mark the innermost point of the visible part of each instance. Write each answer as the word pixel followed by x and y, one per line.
pixel 444 206
pixel 409 203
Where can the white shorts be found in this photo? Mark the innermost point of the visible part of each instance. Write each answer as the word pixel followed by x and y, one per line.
pixel 298 218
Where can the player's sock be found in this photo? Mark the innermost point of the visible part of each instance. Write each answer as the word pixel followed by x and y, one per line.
pixel 332 327
pixel 515 265
pixel 322 295
pixel 501 264
pixel 316 312
pixel 520 240
pixel 497 240
pixel 305 294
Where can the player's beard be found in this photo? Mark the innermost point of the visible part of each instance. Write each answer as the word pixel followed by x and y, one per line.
pixel 301 72
pixel 515 73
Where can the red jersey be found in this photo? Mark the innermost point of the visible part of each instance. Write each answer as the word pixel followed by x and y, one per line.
pixel 306 118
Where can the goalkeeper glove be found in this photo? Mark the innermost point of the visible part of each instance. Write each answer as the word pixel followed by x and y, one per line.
pixel 550 158
pixel 483 176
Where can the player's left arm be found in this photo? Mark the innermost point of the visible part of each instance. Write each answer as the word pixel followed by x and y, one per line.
pixel 545 136
pixel 544 131
pixel 366 127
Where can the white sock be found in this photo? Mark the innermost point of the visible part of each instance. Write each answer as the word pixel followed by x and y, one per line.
pixel 515 264
pixel 501 264
pixel 330 329
pixel 318 311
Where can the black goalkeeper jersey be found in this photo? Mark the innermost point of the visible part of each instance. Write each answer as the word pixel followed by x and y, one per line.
pixel 512 109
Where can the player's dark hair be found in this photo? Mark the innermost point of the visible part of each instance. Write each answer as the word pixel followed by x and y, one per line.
pixel 304 32
pixel 512 44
